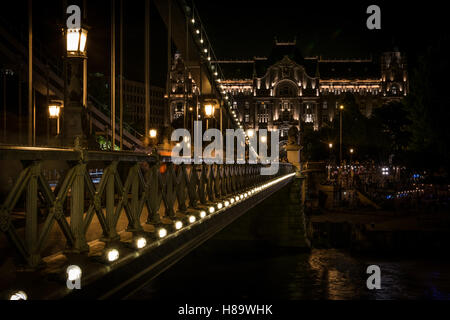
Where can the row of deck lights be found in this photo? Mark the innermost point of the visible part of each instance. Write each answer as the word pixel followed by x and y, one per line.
pixel 140 242
pixel 222 206
pixel 113 254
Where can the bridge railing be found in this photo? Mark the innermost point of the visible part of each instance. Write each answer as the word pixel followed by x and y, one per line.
pixel 55 194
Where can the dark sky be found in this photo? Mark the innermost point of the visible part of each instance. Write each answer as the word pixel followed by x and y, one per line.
pixel 246 28
pixel 329 28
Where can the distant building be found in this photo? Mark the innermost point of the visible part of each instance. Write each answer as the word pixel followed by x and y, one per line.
pixel 286 89
pixel 134 103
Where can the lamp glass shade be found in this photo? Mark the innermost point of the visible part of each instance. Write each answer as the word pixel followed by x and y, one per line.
pixel 73 39
pixel 209 110
pixel 54 111
pixel 76 41
pixel 83 41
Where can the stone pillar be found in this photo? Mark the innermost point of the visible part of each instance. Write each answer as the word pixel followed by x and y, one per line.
pixel 293 148
pixel 74 116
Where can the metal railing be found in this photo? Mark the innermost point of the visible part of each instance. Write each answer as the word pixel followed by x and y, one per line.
pixel 127 185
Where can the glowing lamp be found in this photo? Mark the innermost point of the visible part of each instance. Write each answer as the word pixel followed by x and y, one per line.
pixel 76 40
pixel 54 111
pixel 209 110
pixel 153 133
pixel 112 255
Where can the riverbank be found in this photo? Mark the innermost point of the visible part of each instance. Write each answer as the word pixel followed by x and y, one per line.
pixel 381 232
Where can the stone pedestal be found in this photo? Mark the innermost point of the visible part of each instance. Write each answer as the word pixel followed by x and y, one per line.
pixel 74 113
pixel 293 154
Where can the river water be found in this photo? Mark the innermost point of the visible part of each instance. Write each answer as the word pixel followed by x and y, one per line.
pixel 215 274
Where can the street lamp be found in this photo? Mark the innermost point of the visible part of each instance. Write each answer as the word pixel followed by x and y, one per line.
pixel 76 42
pixel 250 133
pixel 341 108
pixel 264 139
pixel 330 146
pixel 209 113
pixel 75 92
pixel 54 111
pixel 352 151
pixel 153 134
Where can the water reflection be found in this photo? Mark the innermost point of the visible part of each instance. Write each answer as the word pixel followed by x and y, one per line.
pixel 322 274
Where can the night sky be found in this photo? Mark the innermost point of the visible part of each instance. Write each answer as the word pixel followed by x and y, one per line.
pixel 246 28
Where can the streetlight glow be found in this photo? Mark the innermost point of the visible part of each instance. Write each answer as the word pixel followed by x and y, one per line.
pixel 141 242
pixel 178 225
pixel 54 111
pixel 73 273
pixel 162 233
pixel 112 255
pixel 76 42
pixel 19 295
pixel 209 110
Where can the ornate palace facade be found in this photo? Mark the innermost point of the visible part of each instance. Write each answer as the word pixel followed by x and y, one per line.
pixel 286 90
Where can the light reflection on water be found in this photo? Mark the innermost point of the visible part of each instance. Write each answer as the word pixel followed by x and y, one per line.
pixel 322 274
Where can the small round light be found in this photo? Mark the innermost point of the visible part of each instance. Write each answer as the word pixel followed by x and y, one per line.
pixel 227 204
pixel 162 233
pixel 112 255
pixel 19 295
pixel 241 196
pixel 219 206
pixel 245 195
pixel 73 273
pixel 192 219
pixel 211 210
pixel 141 243
pixel 232 200
pixel 237 198
pixel 178 225
pixel 202 214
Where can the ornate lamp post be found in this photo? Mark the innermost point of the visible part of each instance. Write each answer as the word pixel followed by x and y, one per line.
pixel 341 110
pixel 74 117
pixel 153 139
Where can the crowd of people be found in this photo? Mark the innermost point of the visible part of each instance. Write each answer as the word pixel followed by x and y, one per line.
pixel 389 186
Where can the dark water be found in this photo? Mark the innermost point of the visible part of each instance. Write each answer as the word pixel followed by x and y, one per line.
pixel 215 274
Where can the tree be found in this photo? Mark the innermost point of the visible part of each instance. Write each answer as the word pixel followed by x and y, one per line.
pixel 392 120
pixel 428 107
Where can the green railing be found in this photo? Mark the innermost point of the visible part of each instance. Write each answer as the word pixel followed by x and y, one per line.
pixel 137 188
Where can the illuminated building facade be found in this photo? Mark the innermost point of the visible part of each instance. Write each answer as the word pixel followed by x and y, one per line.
pixel 134 102
pixel 286 89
